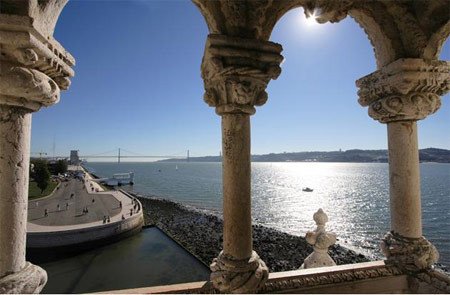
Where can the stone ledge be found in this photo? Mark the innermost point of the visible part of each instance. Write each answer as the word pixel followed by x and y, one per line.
pixel 367 277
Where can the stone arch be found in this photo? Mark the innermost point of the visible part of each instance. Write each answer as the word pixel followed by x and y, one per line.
pixel 386 46
pixel 436 42
pixel 406 29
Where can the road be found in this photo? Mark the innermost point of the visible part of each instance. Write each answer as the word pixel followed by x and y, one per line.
pixel 104 204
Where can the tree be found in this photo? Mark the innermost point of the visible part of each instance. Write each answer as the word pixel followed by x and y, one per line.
pixel 41 174
pixel 61 167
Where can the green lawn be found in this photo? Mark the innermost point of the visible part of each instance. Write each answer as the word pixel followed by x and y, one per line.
pixel 34 192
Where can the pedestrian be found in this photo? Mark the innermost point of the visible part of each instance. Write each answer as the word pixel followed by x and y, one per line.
pixel 37 204
pixel 120 204
pixel 93 200
pixel 131 212
pixel 45 213
pixel 58 207
pixel 67 206
pixel 109 220
pixel 123 217
pixel 104 219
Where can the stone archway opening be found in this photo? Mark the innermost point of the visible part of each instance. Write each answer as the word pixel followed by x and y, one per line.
pixel 311 107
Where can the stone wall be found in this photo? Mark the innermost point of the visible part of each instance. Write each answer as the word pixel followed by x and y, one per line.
pixel 83 235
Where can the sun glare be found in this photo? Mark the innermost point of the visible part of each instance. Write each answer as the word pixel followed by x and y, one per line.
pixel 310 21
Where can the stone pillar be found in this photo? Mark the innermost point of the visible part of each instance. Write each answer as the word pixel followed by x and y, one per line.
pixel 236 73
pixel 404 179
pixel 236 185
pixel 399 94
pixel 33 69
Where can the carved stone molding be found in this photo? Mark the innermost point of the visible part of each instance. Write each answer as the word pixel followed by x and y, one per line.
pixel 409 254
pixel 33 68
pixel 238 276
pixel 407 89
pixel 337 277
pixel 31 279
pixel 413 106
pixel 236 72
pixel 432 281
pixel 25 87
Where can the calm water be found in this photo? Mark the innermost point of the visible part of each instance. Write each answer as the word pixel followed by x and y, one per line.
pixel 354 195
pixel 146 259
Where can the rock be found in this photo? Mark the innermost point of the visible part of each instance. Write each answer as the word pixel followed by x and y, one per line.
pixel 201 233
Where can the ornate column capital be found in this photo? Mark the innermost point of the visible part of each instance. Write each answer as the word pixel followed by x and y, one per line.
pixel 238 276
pixel 409 254
pixel 30 280
pixel 407 89
pixel 236 72
pixel 33 68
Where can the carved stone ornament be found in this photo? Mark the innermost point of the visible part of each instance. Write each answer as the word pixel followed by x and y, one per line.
pixel 409 254
pixel 236 72
pixel 238 276
pixel 31 279
pixel 337 277
pixel 25 87
pixel 33 68
pixel 407 89
pixel 321 241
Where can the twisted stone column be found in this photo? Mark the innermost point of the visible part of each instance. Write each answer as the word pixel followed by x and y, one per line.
pixel 399 94
pixel 236 73
pixel 31 76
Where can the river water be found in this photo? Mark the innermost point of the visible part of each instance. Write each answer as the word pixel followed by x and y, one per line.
pixel 354 195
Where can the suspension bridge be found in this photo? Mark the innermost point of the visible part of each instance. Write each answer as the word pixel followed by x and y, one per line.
pixel 122 153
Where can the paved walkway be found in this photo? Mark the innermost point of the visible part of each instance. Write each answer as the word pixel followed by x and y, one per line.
pixel 105 203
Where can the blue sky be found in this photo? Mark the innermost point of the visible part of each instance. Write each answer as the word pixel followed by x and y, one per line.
pixel 138 86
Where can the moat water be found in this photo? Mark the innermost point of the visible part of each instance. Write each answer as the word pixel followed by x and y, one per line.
pixel 354 195
pixel 149 258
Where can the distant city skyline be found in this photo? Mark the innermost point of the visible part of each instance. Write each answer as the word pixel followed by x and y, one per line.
pixel 138 86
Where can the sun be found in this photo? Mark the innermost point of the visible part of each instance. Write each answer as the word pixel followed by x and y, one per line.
pixel 310 21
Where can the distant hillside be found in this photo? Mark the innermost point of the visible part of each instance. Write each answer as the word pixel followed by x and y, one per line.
pixel 354 156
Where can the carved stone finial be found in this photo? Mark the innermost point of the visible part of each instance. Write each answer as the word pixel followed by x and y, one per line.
pixel 409 254
pixel 236 72
pixel 321 241
pixel 238 276
pixel 407 89
pixel 30 280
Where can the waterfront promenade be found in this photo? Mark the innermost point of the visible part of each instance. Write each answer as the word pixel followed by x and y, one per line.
pixel 69 223
pixel 72 198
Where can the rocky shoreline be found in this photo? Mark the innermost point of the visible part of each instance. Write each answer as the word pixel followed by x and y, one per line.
pixel 201 234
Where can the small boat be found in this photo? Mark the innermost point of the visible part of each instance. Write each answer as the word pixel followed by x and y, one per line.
pixel 176 167
pixel 307 189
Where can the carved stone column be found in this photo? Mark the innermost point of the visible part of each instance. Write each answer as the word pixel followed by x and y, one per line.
pixel 236 72
pixel 33 69
pixel 399 94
